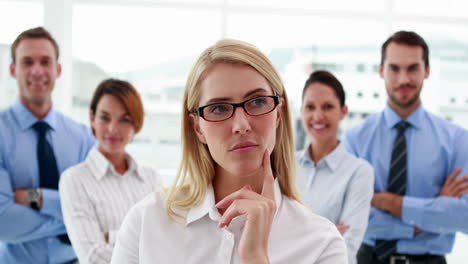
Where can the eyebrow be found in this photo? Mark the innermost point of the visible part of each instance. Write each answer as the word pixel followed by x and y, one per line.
pixel 227 99
pixel 416 64
pixel 106 113
pixel 27 57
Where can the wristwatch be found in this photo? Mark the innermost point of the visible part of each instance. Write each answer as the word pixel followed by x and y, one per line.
pixel 34 196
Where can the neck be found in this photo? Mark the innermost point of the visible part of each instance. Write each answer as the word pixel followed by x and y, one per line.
pixel 225 183
pixel 118 161
pixel 404 112
pixel 319 149
pixel 39 110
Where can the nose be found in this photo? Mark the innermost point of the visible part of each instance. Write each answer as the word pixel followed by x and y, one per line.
pixel 112 127
pixel 403 78
pixel 240 121
pixel 37 69
pixel 318 115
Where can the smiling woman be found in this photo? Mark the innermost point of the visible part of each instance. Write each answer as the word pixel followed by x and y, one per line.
pixel 234 199
pixel 96 194
pixel 334 183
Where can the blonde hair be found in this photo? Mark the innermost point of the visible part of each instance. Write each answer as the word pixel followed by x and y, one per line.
pixel 196 170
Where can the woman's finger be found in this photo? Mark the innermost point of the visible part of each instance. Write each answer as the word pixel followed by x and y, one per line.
pixel 268 189
pixel 245 207
pixel 244 193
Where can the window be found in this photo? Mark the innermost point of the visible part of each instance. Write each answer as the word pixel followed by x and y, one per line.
pixel 18 15
pixel 153 48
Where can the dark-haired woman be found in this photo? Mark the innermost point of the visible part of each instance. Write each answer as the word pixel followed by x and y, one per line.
pixel 334 183
pixel 96 194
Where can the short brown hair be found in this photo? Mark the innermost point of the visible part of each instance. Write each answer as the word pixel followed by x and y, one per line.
pixel 34 33
pixel 126 94
pixel 409 38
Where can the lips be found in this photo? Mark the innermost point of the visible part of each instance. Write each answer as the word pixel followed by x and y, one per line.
pixel 244 146
pixel 113 140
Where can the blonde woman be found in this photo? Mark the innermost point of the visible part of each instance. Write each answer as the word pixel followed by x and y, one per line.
pixel 234 198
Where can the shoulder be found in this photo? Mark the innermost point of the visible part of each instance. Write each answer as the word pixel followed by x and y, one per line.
pixel 69 122
pixel 294 212
pixel 149 173
pixel 445 126
pixel 152 205
pixel 75 174
pixel 5 116
pixel 362 166
pixel 364 127
pixel 443 132
pixel 146 214
pixel 6 120
pixel 69 125
pixel 316 236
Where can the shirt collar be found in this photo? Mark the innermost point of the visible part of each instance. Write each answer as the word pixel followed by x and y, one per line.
pixel 100 165
pixel 207 207
pixel 333 159
pixel 26 118
pixel 392 118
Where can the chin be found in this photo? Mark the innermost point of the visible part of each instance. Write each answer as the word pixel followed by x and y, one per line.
pixel 112 149
pixel 244 169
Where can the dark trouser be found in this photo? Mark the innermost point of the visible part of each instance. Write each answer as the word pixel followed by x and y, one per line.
pixel 366 255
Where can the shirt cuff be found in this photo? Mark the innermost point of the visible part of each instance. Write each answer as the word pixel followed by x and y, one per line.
pixel 51 203
pixel 411 213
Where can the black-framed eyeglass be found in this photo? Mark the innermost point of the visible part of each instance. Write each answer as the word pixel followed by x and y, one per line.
pixel 257 106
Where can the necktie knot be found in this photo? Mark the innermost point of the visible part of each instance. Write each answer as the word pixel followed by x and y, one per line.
pixel 41 127
pixel 402 126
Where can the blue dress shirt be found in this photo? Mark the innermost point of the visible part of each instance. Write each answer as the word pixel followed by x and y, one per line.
pixel 435 147
pixel 340 188
pixel 26 235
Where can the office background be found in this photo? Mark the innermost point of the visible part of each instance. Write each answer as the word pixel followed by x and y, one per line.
pixel 153 43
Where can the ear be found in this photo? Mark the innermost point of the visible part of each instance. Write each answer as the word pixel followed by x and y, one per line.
pixel 59 69
pixel 344 111
pixel 13 70
pixel 381 71
pixel 196 128
pixel 428 71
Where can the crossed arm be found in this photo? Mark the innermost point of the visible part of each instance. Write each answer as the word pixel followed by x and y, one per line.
pixel 20 223
pixel 442 214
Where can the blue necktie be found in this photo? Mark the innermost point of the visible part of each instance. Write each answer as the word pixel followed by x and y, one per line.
pixel 48 171
pixel 396 184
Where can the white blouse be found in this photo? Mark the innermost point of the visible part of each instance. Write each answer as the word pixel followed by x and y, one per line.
pixel 340 187
pixel 297 236
pixel 95 200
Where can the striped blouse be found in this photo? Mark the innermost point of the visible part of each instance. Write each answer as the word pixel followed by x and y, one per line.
pixel 95 200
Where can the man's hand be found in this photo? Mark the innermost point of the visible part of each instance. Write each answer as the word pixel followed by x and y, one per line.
pixel 455 187
pixel 21 197
pixel 389 202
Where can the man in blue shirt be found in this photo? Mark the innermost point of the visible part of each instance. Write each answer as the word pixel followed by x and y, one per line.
pixel 37 143
pixel 420 198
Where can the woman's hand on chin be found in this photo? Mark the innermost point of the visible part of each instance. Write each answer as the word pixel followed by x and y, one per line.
pixel 259 210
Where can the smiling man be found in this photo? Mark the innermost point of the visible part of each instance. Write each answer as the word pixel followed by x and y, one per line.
pixel 37 143
pixel 420 199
